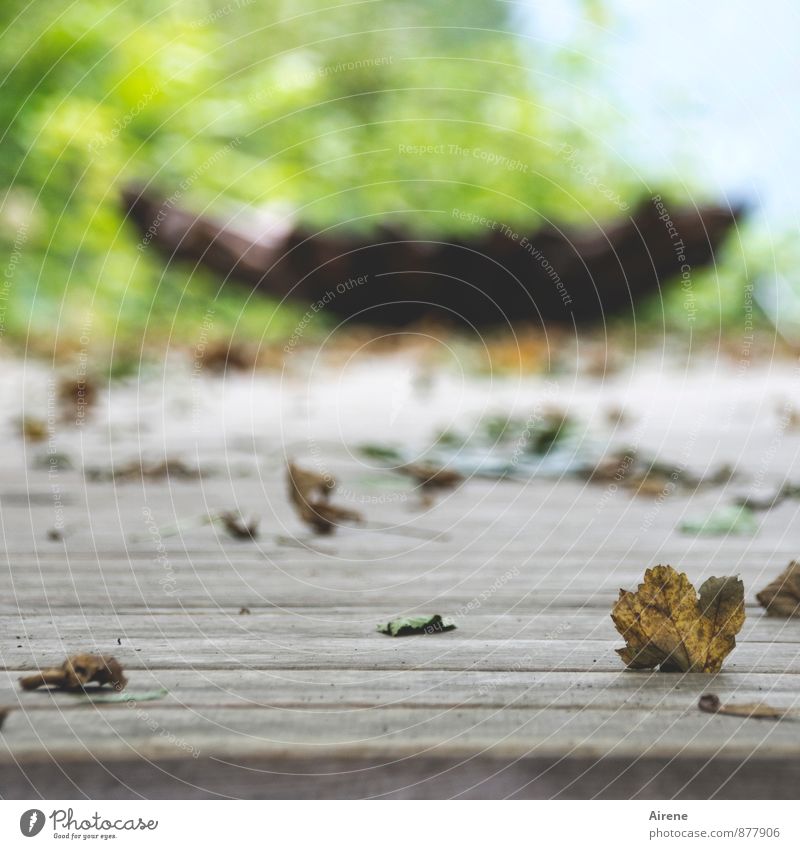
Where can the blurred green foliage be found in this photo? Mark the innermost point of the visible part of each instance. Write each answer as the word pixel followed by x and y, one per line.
pixel 327 108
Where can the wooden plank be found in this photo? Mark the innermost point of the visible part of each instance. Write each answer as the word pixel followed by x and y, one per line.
pixel 156 588
pixel 444 652
pixel 527 697
pixel 424 777
pixel 300 624
pixel 540 511
pixel 153 731
pixel 355 689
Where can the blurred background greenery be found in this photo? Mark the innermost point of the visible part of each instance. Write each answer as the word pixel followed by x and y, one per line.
pixel 307 104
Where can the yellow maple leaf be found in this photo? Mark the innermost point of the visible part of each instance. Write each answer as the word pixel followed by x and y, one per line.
pixel 666 625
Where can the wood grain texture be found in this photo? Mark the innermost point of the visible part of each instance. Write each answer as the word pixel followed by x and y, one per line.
pixel 302 697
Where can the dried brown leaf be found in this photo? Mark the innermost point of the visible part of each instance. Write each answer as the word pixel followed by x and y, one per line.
pixel 309 493
pixel 235 524
pixel 644 476
pixel 781 597
pixel 78 671
pixel 76 395
pixel 787 491
pixel 168 469
pixel 325 517
pixel 710 703
pixel 33 429
pixel 666 625
pixel 429 476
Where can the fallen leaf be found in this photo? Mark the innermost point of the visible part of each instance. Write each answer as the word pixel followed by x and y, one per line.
pixel 52 461
pixel 323 517
pixel 781 597
pixel 614 467
pixel 405 626
pixel 536 434
pixel 617 417
pixel 78 671
pixel 309 493
pixel 789 416
pixel 430 476
pixel 384 453
pixel 244 611
pixel 76 395
pixel 547 443
pixel 786 491
pixel 235 525
pixel 628 469
pixel 170 468
pixel 726 520
pixel 232 521
pixel 710 703
pixel 545 432
pixel 449 439
pixel 665 625
pixel 33 429
pixel 4 712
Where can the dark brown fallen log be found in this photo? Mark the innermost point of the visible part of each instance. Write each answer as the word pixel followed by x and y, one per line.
pixel 550 275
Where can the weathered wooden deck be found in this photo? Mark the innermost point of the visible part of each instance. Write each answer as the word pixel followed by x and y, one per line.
pixel 301 697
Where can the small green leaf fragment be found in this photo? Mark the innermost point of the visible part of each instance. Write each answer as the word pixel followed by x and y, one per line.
pixel 725 520
pixel 384 453
pixel 406 626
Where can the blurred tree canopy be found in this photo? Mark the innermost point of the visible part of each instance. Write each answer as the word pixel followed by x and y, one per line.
pixel 347 113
